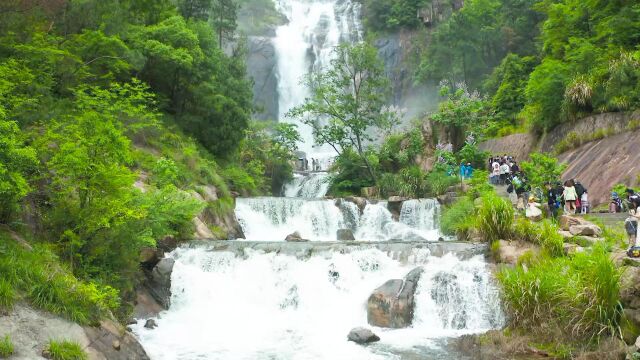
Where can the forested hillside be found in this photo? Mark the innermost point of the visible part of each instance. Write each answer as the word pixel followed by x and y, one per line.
pixel 536 63
pixel 98 96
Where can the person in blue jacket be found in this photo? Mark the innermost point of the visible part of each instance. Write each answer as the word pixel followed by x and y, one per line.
pixel 469 171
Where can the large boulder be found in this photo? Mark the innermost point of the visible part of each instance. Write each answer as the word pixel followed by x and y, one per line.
pixel 391 305
pixel 566 221
pixel 508 252
pixel 262 69
pixel 630 288
pixel 362 335
pixel 360 202
pixel 585 230
pixel 159 282
pixel 345 235
pixel 150 256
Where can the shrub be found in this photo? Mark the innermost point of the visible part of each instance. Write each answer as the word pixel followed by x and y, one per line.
pixel 457 218
pixel 580 294
pixel 550 240
pixel 6 347
pixel 438 182
pixel 495 217
pixel 542 168
pixel 66 350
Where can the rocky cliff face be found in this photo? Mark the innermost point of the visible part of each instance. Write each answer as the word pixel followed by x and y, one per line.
pixel 598 164
pixel 262 68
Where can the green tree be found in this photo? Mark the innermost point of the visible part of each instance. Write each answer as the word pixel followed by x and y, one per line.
pixel 348 101
pixel 224 19
pixel 542 168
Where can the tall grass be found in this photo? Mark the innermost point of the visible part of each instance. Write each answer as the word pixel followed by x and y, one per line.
pixel 580 295
pixel 544 234
pixel 6 347
pixel 7 295
pixel 457 218
pixel 66 350
pixel 39 277
pixel 494 217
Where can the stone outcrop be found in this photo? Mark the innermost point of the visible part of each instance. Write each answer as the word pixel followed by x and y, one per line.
pixel 295 237
pixel 585 230
pixel 391 305
pixel 345 235
pixel 262 67
pixel 362 335
pixel 509 252
pixel 394 205
pixel 158 282
pixel 360 202
pixel 30 331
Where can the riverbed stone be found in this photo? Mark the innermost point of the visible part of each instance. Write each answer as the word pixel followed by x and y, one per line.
pixel 566 221
pixel 630 288
pixel 150 324
pixel 362 335
pixel 360 202
pixel 345 235
pixel 585 230
pixel 294 237
pixel 509 252
pixel 391 305
pixel 159 282
pixel 394 205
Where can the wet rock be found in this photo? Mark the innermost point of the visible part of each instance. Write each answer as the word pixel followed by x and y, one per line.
pixel 362 335
pixel 150 256
pixel 345 235
pixel 262 68
pixel 585 230
pixel 294 237
pixel 391 305
pixel 202 230
pixel 167 243
pixel 394 205
pixel 360 202
pixel 150 324
pixel 159 282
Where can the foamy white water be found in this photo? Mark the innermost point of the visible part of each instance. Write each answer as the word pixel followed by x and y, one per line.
pixel 273 218
pixel 269 306
pixel 314 185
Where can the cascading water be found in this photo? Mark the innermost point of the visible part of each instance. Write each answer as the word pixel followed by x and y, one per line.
pixel 272 219
pixel 271 306
pixel 311 186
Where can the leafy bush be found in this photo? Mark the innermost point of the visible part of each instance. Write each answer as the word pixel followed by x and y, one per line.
pixel 438 182
pixel 6 347
pixel 579 294
pixel 494 217
pixel 457 218
pixel 66 350
pixel 544 234
pixel 542 168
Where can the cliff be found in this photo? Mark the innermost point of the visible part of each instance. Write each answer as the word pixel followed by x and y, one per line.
pixel 600 150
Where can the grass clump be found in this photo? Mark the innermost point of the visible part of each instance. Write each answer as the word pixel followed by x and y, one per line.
pixel 457 218
pixel 66 350
pixel 7 295
pixel 39 278
pixel 578 295
pixel 494 217
pixel 6 347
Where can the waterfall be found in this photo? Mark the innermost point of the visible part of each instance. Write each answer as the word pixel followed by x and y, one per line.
pixel 309 186
pixel 272 219
pixel 273 306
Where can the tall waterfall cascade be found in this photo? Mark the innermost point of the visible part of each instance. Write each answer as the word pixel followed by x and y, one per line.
pixel 260 304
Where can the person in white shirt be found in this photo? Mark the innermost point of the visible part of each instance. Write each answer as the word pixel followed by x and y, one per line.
pixel 504 172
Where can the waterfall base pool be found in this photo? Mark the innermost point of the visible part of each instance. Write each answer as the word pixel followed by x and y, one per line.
pixel 275 306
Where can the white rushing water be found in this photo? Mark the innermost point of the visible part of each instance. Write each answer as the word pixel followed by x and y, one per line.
pixel 273 218
pixel 310 186
pixel 269 306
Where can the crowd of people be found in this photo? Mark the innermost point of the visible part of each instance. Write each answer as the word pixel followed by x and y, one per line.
pixel 571 196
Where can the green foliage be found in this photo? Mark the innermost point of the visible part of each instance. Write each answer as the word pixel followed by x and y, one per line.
pixel 240 180
pixel 470 153
pixel 350 98
pixel 6 347
pixel 400 150
pixel 542 168
pixel 7 295
pixel 257 17
pixel 392 14
pixel 494 217
pixel 350 175
pixel 580 294
pixel 458 218
pixel 544 234
pixel 66 350
pixel 439 182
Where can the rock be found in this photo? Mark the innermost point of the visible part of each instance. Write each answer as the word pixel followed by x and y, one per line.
pixel 295 237
pixel 209 193
pixel 630 288
pixel 360 202
pixel 345 235
pixel 262 68
pixel 145 304
pixel 150 324
pixel 394 205
pixel 510 251
pixel 637 343
pixel 566 221
pixel 362 335
pixel 167 243
pixel 150 256
pixel 570 249
pixel 391 305
pixel 448 198
pixel 565 234
pixel 116 345
pixel 585 230
pixel 159 284
pixel 202 230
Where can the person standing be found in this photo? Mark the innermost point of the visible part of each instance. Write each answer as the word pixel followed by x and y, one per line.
pixel 570 197
pixel 496 171
pixel 584 202
pixel 504 172
pixel 552 210
pixel 469 171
